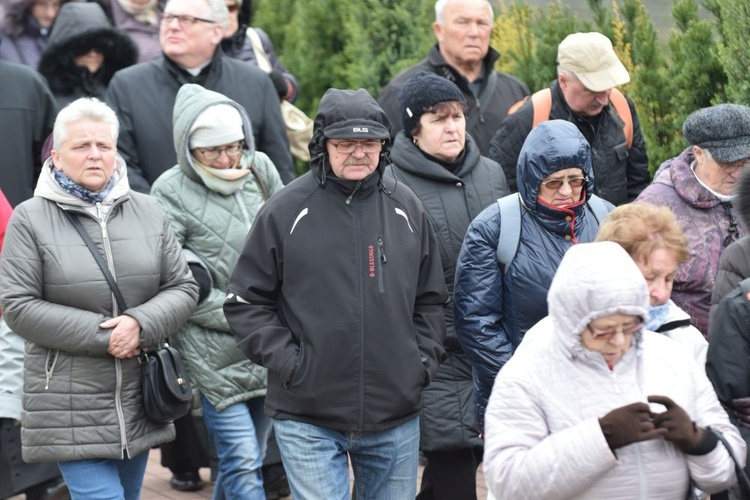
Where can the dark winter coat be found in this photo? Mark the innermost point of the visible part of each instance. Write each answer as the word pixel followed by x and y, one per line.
pixel 452 200
pixel 485 111
pixel 706 221
pixel 80 27
pixel 728 351
pixel 339 292
pixel 27 114
pixel 621 172
pixel 143 97
pixel 495 308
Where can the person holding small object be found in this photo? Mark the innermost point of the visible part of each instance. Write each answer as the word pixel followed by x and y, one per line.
pixel 82 399
pixel 592 405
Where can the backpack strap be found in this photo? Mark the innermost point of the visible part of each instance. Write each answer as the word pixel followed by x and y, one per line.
pixel 510 229
pixel 623 109
pixel 542 104
pixel 598 208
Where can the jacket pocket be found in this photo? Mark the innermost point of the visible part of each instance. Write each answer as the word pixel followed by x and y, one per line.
pixel 291 366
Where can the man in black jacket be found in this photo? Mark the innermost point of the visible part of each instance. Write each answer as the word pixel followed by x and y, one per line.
pixel 463 55
pixel 27 113
pixel 143 95
pixel 584 94
pixel 339 292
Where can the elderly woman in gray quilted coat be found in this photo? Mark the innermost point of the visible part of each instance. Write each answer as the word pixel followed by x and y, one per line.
pixel 212 196
pixel 82 396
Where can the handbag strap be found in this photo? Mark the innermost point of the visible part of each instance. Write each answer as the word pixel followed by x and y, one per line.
pixel 742 480
pixel 99 260
pixel 264 62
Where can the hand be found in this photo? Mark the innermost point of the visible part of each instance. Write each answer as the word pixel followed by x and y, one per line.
pixel 125 336
pixel 741 407
pixel 629 424
pixel 681 430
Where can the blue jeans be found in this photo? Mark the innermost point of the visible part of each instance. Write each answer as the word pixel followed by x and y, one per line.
pixel 105 479
pixel 240 434
pixel 315 458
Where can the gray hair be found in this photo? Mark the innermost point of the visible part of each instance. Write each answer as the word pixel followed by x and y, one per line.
pixel 441 4
pixel 85 108
pixel 219 12
pixel 569 75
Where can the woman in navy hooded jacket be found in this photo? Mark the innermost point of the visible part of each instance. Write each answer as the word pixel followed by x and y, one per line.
pixel 495 307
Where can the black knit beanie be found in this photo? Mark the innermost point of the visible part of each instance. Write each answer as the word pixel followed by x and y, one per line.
pixel 421 93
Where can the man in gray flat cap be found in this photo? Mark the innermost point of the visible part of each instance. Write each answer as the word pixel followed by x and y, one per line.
pixel 699 187
pixel 584 94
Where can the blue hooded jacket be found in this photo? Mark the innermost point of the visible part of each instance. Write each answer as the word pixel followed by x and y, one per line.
pixel 495 308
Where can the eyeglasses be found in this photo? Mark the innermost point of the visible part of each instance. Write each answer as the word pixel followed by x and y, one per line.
pixel 608 333
pixel 347 147
pixel 232 8
pixel 730 168
pixel 185 21
pixel 233 150
pixel 555 184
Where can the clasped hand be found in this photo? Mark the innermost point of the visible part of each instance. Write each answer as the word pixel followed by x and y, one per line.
pixel 125 337
pixel 636 422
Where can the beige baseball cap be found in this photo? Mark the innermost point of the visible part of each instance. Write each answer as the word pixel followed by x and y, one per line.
pixel 592 59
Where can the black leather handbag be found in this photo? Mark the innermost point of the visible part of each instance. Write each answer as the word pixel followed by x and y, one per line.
pixel 167 394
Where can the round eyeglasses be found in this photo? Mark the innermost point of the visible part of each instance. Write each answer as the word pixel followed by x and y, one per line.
pixel 555 184
pixel 608 333
pixel 730 168
pixel 347 147
pixel 232 150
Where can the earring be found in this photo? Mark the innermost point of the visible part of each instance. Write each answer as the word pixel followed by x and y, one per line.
pixel 415 141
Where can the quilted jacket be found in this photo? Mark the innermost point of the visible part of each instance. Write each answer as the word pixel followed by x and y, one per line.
pixel 543 436
pixel 494 308
pixel 705 220
pixel 79 402
pixel 214 227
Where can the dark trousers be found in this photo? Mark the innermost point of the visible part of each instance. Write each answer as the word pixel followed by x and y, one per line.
pixel 190 450
pixel 450 475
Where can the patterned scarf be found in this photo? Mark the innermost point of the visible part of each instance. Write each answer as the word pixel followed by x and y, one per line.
pixel 657 316
pixel 71 187
pixel 144 13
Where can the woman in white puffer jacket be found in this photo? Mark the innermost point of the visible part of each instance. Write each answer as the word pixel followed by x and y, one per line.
pixel 594 406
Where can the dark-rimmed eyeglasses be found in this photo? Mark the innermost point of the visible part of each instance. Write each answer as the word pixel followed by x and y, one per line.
pixel 347 147
pixel 232 151
pixel 232 8
pixel 185 21
pixel 555 184
pixel 608 333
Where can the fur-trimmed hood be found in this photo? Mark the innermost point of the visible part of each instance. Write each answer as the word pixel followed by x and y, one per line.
pixel 80 27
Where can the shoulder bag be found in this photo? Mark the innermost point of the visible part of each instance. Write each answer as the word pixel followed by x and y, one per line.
pixel 167 394
pixel 299 126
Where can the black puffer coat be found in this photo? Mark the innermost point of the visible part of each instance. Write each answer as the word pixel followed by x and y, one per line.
pixel 452 200
pixel 79 28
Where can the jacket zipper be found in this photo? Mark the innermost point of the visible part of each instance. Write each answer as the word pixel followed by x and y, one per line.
pixel 49 366
pixel 382 260
pixel 115 312
pixel 357 235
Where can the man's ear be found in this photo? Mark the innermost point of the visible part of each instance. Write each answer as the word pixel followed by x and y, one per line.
pixel 437 28
pixel 562 81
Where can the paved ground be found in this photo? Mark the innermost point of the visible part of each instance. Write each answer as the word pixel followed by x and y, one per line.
pixel 156 485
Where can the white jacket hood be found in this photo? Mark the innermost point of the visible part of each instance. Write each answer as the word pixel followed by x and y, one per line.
pixel 594 280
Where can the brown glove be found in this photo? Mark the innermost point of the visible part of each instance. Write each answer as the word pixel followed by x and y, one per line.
pixel 681 430
pixel 629 424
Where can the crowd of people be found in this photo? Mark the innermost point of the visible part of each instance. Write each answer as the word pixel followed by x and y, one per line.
pixel 467 274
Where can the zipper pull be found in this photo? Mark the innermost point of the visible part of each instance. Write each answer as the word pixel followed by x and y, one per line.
pixel 46 382
pixel 382 250
pixel 356 188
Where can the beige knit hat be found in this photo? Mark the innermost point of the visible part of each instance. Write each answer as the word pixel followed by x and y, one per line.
pixel 215 126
